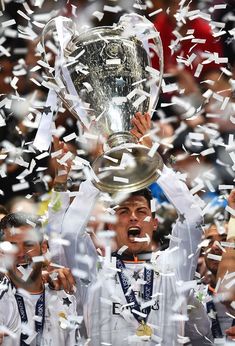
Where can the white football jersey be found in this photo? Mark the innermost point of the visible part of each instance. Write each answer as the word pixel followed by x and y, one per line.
pixel 59 323
pixel 107 315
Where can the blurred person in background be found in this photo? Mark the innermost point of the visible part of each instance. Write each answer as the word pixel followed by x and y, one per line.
pixel 24 292
pixel 3 211
pixel 226 268
pixel 213 248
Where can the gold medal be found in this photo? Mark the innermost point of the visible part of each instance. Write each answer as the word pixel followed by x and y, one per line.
pixel 63 322
pixel 62 315
pixel 144 330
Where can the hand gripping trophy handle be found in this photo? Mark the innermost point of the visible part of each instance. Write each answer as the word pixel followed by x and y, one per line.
pixel 104 76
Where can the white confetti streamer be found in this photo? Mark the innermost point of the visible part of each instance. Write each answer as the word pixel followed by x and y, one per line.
pixel 153 149
pixel 20 186
pixel 214 257
pixel 113 9
pixel 8 23
pixel 155 12
pixel 113 61
pixel 226 187
pixel 208 151
pixel 99 15
pixel 22 14
pixel 140 100
pixel 42 156
pixel 170 87
pixel 121 179
pixel 70 137
pixel 230 210
pixel 198 70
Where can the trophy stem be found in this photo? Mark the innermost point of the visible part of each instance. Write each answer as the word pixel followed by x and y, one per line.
pixel 130 170
pixel 119 138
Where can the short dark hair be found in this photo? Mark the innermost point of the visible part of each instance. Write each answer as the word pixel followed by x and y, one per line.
pixel 19 220
pixel 146 193
pixel 3 210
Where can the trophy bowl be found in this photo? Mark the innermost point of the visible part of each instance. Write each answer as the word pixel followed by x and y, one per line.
pixel 105 77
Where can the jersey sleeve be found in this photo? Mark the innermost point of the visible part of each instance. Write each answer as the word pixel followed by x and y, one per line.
pixel 187 231
pixel 10 324
pixel 81 255
pixel 57 207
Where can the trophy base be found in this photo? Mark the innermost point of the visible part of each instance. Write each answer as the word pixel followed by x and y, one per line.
pixel 126 168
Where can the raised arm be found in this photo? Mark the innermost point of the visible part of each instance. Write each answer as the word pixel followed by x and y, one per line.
pixel 81 256
pixel 67 225
pixel 59 201
pixel 187 232
pixel 67 222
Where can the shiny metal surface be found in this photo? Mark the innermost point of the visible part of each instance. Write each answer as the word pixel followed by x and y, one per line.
pixel 114 64
pixel 133 170
pixel 106 74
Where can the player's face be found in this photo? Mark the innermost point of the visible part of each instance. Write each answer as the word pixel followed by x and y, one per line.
pixel 135 225
pixel 214 248
pixel 27 246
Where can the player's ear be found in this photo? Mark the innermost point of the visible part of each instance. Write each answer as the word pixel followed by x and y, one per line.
pixel 155 224
pixel 44 246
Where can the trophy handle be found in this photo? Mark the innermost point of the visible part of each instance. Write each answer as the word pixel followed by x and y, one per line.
pixel 156 46
pixel 158 43
pixel 53 25
pixel 65 29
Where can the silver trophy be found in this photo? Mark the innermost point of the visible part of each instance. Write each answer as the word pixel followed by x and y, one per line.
pixel 104 76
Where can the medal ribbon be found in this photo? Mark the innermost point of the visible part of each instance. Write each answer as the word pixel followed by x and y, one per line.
pixel 23 316
pixel 39 311
pixel 215 328
pixel 131 298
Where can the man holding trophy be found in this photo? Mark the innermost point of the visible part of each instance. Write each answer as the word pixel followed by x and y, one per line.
pixel 131 294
